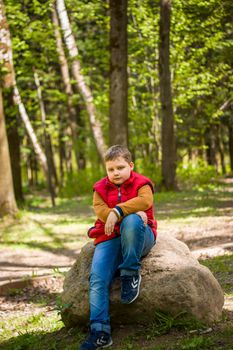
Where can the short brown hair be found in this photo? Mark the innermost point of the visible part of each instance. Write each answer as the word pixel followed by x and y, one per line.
pixel 118 151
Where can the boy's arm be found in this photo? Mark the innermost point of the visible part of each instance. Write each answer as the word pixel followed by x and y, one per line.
pixel 101 209
pixel 142 202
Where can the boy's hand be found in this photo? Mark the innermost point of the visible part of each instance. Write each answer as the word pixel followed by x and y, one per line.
pixel 143 215
pixel 110 223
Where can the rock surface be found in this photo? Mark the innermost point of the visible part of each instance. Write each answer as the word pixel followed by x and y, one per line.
pixel 172 281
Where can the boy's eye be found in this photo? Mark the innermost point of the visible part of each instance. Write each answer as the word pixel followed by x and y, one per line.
pixel 120 167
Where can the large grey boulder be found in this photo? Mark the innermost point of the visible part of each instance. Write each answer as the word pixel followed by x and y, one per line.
pixel 172 281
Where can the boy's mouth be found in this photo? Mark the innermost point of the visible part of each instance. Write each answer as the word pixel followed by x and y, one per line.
pixel 117 178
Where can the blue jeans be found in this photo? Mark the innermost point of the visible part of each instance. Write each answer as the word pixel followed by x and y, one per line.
pixel 123 253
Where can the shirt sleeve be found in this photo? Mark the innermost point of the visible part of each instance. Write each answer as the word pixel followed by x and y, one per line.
pixel 101 208
pixel 142 202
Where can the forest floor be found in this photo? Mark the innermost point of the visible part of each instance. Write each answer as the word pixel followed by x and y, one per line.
pixel 39 246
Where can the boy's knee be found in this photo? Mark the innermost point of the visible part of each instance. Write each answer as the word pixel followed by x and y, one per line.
pixel 131 220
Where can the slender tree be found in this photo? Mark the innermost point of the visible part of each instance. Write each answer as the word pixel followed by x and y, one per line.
pixel 166 111
pixel 9 80
pixel 14 140
pixel 51 174
pixel 80 81
pixel 72 111
pixel 7 197
pixel 118 117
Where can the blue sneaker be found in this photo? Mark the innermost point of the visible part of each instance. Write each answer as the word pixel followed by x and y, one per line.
pixel 130 287
pixel 96 340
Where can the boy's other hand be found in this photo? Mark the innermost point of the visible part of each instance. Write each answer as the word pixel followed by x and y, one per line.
pixel 110 223
pixel 143 215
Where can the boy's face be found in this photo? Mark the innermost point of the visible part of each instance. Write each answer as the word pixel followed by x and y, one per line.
pixel 118 170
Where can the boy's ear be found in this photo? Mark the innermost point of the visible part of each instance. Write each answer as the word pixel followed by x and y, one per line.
pixel 131 164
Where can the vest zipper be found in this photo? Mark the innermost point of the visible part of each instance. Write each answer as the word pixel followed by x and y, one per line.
pixel 119 194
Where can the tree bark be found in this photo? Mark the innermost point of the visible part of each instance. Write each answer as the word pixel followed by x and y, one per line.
pixel 7 198
pixel 51 174
pixel 9 81
pixel 220 148
pixel 14 145
pixel 75 128
pixel 31 133
pixel 76 71
pixel 230 132
pixel 168 135
pixel 118 117
pixel 210 147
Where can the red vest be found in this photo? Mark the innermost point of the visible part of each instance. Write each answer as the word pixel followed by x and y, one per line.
pixel 113 195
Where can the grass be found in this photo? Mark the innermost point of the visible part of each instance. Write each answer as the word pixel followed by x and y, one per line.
pixel 63 228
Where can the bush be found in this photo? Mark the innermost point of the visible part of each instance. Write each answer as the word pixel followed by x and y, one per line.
pixel 195 174
pixel 79 183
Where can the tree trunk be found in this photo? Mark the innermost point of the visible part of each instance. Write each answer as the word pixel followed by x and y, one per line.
pixel 168 135
pixel 51 174
pixel 76 71
pixel 72 112
pixel 14 147
pixel 7 197
pixel 9 81
pixel 210 147
pixel 220 148
pixel 118 118
pixel 31 133
pixel 230 131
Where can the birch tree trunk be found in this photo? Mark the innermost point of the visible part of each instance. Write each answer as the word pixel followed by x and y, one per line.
pixel 76 71
pixel 72 112
pixel 7 197
pixel 9 80
pixel 168 135
pixel 118 118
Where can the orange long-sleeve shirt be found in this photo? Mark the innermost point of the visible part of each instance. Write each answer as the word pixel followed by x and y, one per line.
pixel 142 202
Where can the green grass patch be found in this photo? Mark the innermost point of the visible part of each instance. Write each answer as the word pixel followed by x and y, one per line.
pixel 222 268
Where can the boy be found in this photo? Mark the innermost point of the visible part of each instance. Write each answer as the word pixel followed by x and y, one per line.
pixel 124 232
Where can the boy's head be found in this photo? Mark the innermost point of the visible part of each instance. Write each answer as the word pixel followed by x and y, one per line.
pixel 118 162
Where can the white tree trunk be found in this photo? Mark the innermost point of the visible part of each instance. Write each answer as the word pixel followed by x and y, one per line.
pixel 31 133
pixel 6 57
pixel 72 127
pixel 76 71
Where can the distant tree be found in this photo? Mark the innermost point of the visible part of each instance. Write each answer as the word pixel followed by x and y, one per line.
pixel 168 135
pixel 83 88
pixel 76 132
pixel 7 197
pixel 118 117
pixel 14 141
pixel 10 81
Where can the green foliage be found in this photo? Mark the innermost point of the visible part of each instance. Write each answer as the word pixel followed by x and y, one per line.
pixel 79 183
pixel 222 268
pixel 191 174
pixel 201 66
pixel 196 343
pixel 148 169
pixel 165 322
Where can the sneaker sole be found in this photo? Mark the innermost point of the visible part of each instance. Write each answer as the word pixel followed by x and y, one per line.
pixel 105 346
pixel 131 301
